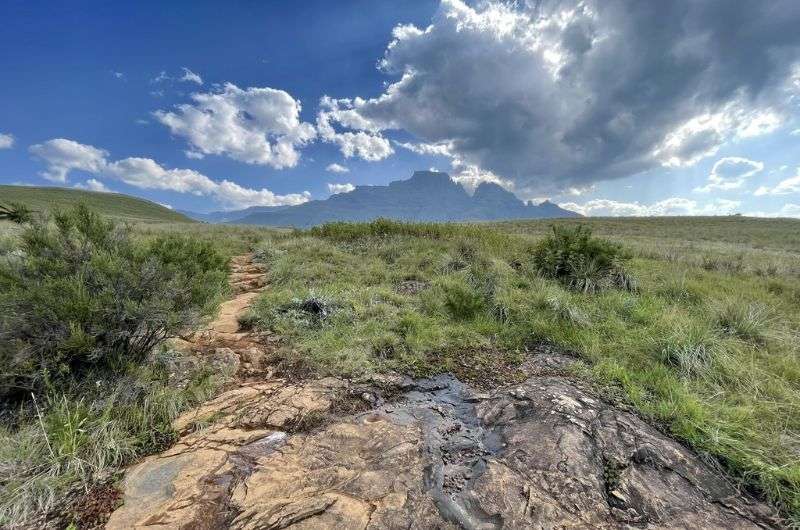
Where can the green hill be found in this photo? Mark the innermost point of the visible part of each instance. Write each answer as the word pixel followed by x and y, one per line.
pixel 114 205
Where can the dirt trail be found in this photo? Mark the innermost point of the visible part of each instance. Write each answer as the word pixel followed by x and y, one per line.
pixel 391 452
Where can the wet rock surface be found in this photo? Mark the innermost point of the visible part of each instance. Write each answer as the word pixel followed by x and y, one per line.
pixel 542 454
pixel 391 452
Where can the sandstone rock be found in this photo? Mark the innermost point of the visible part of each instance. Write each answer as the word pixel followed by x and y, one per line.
pixel 583 463
pixel 189 486
pixel 288 407
pixel 543 454
pixel 365 473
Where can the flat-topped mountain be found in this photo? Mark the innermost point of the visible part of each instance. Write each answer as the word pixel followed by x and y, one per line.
pixel 426 196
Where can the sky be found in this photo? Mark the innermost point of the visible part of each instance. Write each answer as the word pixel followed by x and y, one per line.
pixel 606 107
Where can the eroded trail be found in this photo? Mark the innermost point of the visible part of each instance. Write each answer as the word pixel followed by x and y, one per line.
pixel 392 452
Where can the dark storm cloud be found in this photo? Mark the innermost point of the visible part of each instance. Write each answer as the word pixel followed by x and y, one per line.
pixel 557 94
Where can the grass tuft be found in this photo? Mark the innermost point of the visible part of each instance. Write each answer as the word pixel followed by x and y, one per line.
pixel 750 322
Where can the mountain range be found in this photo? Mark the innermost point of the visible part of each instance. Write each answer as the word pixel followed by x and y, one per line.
pixel 426 196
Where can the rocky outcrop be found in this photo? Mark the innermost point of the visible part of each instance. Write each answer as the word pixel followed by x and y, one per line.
pixel 542 454
pixel 189 486
pixel 391 452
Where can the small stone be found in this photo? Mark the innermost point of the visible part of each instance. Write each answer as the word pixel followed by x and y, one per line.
pixel 618 495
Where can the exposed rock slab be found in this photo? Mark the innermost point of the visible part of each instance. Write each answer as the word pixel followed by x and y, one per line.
pixel 576 461
pixel 543 454
pixel 189 486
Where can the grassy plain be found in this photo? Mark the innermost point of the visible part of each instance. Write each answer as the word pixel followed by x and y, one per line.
pixel 707 346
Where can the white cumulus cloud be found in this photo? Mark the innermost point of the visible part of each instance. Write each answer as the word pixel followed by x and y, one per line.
pixel 92 185
pixel 730 173
pixel 553 95
pixel 364 143
pixel 671 206
pixel 334 188
pixel 784 187
pixel 190 77
pixel 472 176
pixel 6 141
pixel 254 125
pixel 62 156
pixel 336 168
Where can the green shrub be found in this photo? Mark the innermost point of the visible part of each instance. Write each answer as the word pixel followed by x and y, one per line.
pixel 582 262
pixel 83 294
pixel 462 301
pixel 16 213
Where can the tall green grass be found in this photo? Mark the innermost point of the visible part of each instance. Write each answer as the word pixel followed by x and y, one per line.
pixel 68 440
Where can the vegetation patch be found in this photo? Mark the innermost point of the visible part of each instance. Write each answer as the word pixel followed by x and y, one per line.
pixel 85 388
pixel 704 342
pixel 709 352
pixel 582 262
pixel 71 439
pixel 82 295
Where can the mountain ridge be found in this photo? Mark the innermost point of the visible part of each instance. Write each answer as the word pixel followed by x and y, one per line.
pixel 426 196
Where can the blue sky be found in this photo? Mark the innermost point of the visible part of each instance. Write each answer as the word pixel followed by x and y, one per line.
pixel 601 106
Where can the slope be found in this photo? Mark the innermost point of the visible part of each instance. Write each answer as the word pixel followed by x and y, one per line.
pixel 115 205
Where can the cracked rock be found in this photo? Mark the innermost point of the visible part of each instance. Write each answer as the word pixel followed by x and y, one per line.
pixel 545 453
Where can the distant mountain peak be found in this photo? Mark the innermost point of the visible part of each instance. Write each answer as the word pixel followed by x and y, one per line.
pixel 428 174
pixel 426 196
pixel 493 189
pixel 427 180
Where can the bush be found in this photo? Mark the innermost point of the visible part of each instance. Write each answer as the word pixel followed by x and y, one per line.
pixel 462 301
pixel 16 213
pixel 84 295
pixel 582 262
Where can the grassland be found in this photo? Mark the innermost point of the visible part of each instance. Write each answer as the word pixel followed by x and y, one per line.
pixel 705 343
pixel 115 205
pixel 707 346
